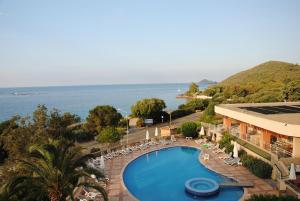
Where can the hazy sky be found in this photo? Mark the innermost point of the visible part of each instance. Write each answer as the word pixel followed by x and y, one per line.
pixel 74 42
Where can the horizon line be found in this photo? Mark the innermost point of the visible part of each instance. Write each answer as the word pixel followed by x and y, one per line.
pixel 82 85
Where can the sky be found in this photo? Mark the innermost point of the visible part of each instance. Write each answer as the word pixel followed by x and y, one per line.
pixel 90 42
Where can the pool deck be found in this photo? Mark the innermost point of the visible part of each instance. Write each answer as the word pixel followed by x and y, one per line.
pixel 118 192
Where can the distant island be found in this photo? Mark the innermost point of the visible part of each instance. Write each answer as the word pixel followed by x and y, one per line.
pixel 207 82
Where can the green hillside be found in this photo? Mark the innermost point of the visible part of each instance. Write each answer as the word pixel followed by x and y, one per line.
pixel 265 74
pixel 268 82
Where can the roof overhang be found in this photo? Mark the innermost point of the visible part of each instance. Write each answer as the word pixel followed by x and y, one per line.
pixel 260 121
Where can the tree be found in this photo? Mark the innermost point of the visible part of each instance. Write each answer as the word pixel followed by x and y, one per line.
pixel 193 89
pixel 101 117
pixel 291 91
pixel 109 135
pixel 209 113
pixel 148 108
pixel 59 124
pixel 189 129
pixel 54 170
pixel 195 104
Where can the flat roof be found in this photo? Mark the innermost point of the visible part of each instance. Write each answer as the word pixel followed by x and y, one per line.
pixel 280 117
pixel 284 112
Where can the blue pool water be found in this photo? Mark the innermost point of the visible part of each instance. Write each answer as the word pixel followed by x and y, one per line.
pixel 161 175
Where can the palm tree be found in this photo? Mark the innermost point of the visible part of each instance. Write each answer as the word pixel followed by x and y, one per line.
pixel 56 169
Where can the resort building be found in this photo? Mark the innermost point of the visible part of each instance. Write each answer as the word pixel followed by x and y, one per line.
pixel 268 129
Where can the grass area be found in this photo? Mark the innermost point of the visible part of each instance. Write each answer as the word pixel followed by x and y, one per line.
pixel 255 149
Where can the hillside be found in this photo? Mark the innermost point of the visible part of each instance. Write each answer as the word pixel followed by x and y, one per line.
pixel 265 73
pixel 268 82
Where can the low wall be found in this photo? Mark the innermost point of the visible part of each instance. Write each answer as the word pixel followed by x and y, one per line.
pixel 251 153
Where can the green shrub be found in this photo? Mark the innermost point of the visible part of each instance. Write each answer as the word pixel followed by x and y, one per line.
pixel 140 123
pixel 226 142
pixel 94 149
pixel 82 136
pixel 189 129
pixel 109 135
pixel 256 166
pixel 180 113
pixel 123 122
pixel 229 148
pixel 272 198
pixel 194 104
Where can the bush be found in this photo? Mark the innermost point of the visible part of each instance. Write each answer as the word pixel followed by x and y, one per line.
pixel 109 135
pixel 194 104
pixel 140 123
pixel 272 198
pixel 82 136
pixel 94 149
pixel 180 113
pixel 123 122
pixel 256 166
pixel 226 142
pixel 189 129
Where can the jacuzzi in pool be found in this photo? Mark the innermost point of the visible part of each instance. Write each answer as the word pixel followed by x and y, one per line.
pixel 202 187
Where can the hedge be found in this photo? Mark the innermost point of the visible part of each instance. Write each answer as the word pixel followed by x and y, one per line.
pixel 256 166
pixel 272 198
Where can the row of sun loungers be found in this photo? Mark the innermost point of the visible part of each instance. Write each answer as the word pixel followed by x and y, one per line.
pixel 138 147
pixel 228 159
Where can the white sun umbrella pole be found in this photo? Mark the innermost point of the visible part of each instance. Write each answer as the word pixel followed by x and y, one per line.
pixel 102 163
pixel 235 150
pixel 292 175
pixel 156 132
pixel 147 135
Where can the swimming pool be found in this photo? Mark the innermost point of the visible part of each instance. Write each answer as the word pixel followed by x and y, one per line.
pixel 161 176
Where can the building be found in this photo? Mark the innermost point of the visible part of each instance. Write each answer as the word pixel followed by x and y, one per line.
pixel 273 128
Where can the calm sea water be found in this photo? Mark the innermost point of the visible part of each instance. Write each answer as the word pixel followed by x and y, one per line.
pixel 80 99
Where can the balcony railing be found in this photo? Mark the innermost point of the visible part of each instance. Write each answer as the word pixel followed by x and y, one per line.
pixel 279 151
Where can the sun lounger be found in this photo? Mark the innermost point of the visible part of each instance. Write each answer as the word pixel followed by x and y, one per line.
pixel 214 147
pixel 234 161
pixel 226 156
pixel 173 139
pixel 206 157
pixel 218 151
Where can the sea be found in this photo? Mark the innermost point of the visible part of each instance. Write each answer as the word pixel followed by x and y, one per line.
pixel 80 99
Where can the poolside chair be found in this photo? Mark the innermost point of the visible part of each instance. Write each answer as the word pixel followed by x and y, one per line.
pixel 234 161
pixel 173 139
pixel 206 157
pixel 226 156
pixel 219 151
pixel 214 147
pixel 199 141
